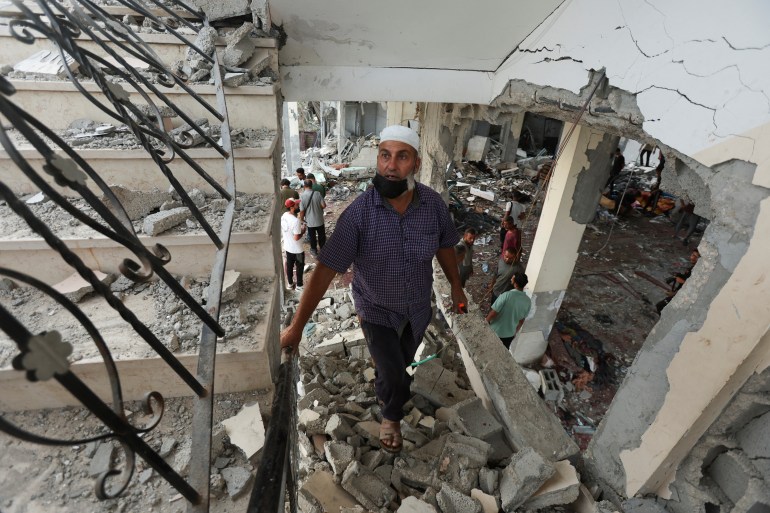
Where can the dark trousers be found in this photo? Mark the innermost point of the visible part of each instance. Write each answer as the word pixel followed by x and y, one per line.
pixel 506 341
pixel 641 157
pixel 503 231
pixel 391 355
pixel 295 260
pixel 317 237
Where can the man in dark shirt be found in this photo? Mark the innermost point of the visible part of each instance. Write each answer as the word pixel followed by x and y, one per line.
pixel 390 235
pixel 466 266
pixel 287 193
pixel 618 163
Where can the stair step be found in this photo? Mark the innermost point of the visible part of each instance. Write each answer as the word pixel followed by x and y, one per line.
pixel 134 169
pixel 191 253
pixel 167 47
pixel 242 362
pixel 58 103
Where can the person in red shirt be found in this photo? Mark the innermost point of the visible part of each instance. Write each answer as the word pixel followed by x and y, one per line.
pixel 512 236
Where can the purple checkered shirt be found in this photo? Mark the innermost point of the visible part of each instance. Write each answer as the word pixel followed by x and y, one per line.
pixel 392 256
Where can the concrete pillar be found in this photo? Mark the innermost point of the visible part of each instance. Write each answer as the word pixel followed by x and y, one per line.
pixel 570 203
pixel 341 139
pixel 436 147
pixel 291 136
pixel 512 136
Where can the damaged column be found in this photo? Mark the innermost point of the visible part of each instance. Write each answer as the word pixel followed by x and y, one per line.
pixel 570 202
pixel 510 136
pixel 437 147
pixel 291 135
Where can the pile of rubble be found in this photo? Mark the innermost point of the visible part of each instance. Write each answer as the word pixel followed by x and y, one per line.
pixel 455 457
pixel 152 212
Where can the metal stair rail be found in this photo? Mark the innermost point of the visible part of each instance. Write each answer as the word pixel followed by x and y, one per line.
pixel 44 355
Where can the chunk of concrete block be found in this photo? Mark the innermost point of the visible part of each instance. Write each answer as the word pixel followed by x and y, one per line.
pixel 415 505
pixel 454 501
pixel 344 311
pixel 334 345
pixel 338 428
pixel 239 45
pixel 476 420
pixel 370 431
pixel 460 461
pixel 369 374
pixel 319 394
pixel 325 493
pixel 562 488
pixel 75 287
pixel 488 480
pixel 550 384
pixel 488 502
pixel 339 455
pixel 237 480
pixel 526 473
pixel 478 146
pixel 415 473
pixel 437 385
pixel 138 204
pixel 230 287
pixel 102 459
pixel 246 430
pixel 217 10
pixel 155 224
pixel 235 79
pixel 367 487
pixel 487 195
pixel 47 62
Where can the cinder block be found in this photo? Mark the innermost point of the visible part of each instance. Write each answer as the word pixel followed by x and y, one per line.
pixel 550 384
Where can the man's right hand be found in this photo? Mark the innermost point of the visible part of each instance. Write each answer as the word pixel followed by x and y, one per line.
pixel 290 339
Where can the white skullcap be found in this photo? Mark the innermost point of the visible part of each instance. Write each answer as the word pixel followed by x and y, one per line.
pixel 402 134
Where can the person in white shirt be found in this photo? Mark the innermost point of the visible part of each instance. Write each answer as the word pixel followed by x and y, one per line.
pixel 291 233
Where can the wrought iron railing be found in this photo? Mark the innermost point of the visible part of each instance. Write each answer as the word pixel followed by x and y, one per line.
pixel 44 355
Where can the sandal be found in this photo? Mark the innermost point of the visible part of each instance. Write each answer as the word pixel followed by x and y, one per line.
pixel 390 436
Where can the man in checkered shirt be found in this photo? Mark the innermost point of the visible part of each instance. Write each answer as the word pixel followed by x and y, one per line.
pixel 390 235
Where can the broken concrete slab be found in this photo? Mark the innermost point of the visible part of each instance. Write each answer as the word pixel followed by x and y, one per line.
pixel 478 146
pixel 339 455
pixel 489 504
pixel 235 79
pixel 415 505
pixel 237 480
pixel 476 421
pixel 487 195
pixel 488 480
pixel 319 394
pixel 367 487
pixel 75 287
pixel 155 224
pixel 47 62
pixel 526 473
pixel 321 491
pixel 230 287
pixel 246 430
pixel 240 46
pixel 437 384
pixel 138 204
pixel 500 383
pixel 415 473
pixel 562 488
pixel 454 501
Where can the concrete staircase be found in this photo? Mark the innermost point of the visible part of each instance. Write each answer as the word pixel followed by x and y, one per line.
pixel 253 253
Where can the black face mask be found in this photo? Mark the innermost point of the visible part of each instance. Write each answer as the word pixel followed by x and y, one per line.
pixel 389 188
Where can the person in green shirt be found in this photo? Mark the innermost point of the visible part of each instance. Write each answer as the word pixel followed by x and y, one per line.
pixel 317 186
pixel 509 310
pixel 287 193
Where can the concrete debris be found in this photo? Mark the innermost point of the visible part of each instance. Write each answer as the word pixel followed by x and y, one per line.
pixel 321 492
pixel 75 287
pixel 40 197
pixel 526 473
pixel 230 287
pixel 7 284
pixel 562 488
pixel 155 224
pixel 47 62
pixel 438 385
pixel 476 421
pixel 137 204
pixel 550 384
pixel 488 480
pixel 235 79
pixel 246 430
pixel 240 46
pixel 367 487
pixel 415 505
pixel 167 445
pixel 489 503
pixel 216 10
pixel 454 501
pixel 338 428
pixel 237 479
pixel 339 455
pixel 102 459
